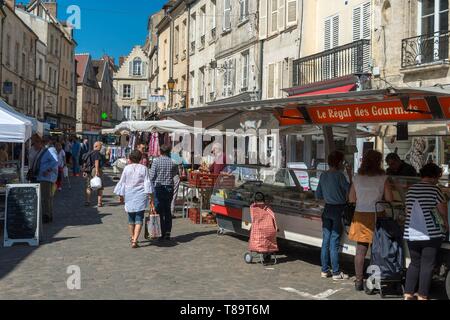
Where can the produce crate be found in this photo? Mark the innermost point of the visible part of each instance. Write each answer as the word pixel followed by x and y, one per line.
pixel 202 180
pixel 194 215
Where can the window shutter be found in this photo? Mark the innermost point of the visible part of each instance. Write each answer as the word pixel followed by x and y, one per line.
pixel 132 91
pixel 356 23
pixel 130 68
pixel 366 33
pixel 144 69
pixel 274 16
pixel 263 19
pixel 121 91
pixel 227 15
pixel 281 14
pixel 233 76
pixel 292 12
pixel 335 31
pixel 271 81
pixel 281 84
pixel 327 34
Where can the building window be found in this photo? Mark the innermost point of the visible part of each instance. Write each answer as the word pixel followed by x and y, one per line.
pixel 331 32
pixel 8 50
pixel 227 15
pixel 243 10
pixel 245 69
pixel 16 55
pixel 40 69
pixel 212 82
pixel 24 64
pixel 201 85
pixel 274 16
pixel 192 33
pixel 137 67
pixel 126 91
pixel 361 22
pixel 127 112
pixel 434 16
pixel 228 78
pixel 271 81
pixel 291 12
pixel 176 43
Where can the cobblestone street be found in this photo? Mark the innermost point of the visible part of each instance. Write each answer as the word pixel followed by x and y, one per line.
pixel 199 264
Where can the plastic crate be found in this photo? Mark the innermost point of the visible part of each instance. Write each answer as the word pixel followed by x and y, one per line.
pixel 202 180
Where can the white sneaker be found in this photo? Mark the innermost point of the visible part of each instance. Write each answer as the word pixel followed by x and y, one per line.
pixel 340 276
pixel 325 274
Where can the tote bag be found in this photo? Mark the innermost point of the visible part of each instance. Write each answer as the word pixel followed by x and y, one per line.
pixel 153 227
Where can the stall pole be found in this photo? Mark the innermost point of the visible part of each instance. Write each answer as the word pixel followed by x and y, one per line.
pixel 22 172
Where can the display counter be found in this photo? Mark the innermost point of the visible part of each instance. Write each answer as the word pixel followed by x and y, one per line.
pixel 297 211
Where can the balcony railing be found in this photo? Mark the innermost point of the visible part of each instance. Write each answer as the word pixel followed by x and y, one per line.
pixel 338 62
pixel 425 49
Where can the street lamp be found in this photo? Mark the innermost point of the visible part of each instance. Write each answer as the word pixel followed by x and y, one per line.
pixel 171 86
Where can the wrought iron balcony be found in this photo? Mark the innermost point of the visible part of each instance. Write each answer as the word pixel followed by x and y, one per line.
pixel 338 62
pixel 429 48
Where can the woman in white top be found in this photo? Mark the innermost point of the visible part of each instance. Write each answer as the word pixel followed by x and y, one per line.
pixel 369 187
pixel 135 187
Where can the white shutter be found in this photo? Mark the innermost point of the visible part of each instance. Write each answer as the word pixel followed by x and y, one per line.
pixel 327 35
pixel 291 12
pixel 335 31
pixel 366 33
pixel 227 15
pixel 130 68
pixel 280 79
pixel 356 23
pixel 121 91
pixel 281 15
pixel 274 16
pixel 233 76
pixel 263 19
pixel 132 91
pixel 271 81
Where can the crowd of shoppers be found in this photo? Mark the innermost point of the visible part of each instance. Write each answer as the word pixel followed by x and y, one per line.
pixel 426 216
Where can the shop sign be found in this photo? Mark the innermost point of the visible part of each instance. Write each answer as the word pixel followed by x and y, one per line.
pixel 53 122
pixel 445 104
pixel 370 112
pixel 157 99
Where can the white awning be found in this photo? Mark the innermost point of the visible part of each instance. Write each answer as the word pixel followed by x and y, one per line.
pixel 149 126
pixel 14 127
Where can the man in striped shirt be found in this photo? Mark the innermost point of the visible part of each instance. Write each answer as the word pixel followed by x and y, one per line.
pixel 426 221
pixel 162 174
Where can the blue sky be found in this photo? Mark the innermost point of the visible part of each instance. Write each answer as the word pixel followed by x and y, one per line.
pixel 110 26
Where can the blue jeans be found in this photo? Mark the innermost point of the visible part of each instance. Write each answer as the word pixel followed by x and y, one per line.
pixel 332 229
pixel 163 203
pixel 76 165
pixel 136 217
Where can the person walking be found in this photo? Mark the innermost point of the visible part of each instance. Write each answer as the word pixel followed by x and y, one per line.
pixel 135 187
pixel 144 160
pixel 61 165
pixel 83 150
pixel 93 167
pixel 369 186
pixel 333 188
pixel 162 174
pixel 68 150
pixel 44 170
pixel 76 149
pixel 426 205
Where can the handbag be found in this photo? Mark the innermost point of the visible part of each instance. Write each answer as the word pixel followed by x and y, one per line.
pixel 153 226
pixel 438 221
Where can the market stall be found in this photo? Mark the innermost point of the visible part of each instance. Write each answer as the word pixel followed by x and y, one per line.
pixel 14 128
pixel 311 126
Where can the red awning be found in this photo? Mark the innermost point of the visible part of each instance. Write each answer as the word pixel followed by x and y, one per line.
pixel 341 89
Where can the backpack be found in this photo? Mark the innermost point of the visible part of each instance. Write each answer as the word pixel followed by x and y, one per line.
pixel 87 162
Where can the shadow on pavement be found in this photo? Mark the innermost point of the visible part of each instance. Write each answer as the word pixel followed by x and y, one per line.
pixel 68 210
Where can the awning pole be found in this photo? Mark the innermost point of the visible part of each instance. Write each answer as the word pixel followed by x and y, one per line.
pixel 22 169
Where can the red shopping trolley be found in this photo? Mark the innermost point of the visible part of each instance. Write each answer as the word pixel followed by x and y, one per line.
pixel 263 233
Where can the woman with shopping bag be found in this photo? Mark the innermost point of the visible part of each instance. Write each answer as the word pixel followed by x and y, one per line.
pixel 135 187
pixel 152 224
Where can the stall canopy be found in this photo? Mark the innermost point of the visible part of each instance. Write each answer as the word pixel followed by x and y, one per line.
pixel 14 127
pixel 367 106
pixel 149 126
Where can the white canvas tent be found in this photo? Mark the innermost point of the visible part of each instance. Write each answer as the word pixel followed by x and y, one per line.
pixel 14 128
pixel 149 126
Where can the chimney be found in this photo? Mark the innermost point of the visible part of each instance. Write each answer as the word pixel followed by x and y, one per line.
pixel 121 60
pixel 11 4
pixel 52 7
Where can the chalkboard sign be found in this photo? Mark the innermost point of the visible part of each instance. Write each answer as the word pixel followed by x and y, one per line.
pixel 22 214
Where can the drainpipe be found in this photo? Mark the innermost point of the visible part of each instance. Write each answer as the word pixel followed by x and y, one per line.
pixel 300 40
pixel 1 50
pixel 188 59
pixel 261 68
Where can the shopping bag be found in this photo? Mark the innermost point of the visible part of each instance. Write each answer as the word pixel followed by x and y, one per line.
pixel 96 183
pixel 66 172
pixel 154 226
pixel 146 233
